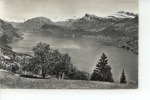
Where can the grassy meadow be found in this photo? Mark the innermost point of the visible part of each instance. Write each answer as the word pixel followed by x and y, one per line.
pixel 11 80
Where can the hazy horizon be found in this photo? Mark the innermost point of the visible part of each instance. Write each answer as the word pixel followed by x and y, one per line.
pixel 21 10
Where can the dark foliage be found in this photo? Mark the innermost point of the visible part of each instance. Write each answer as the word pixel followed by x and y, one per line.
pixel 15 68
pixel 47 61
pixel 78 75
pixel 30 76
pixel 123 77
pixel 102 72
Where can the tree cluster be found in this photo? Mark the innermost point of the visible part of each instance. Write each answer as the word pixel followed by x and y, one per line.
pixel 47 61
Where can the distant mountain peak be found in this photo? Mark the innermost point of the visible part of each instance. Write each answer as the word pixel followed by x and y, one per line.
pixel 91 17
pixel 35 23
pixel 123 14
pixel 39 19
pixel 87 15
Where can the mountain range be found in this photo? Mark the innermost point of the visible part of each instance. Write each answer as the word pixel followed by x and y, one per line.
pixel 91 22
pixel 119 29
pixel 87 22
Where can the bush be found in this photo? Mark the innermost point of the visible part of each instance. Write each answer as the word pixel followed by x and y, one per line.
pixel 132 82
pixel 1 66
pixel 78 75
pixel 14 68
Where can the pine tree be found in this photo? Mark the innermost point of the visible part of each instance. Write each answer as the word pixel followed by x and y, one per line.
pixel 102 72
pixel 123 77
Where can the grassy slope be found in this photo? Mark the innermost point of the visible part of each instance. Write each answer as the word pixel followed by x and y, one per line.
pixel 9 80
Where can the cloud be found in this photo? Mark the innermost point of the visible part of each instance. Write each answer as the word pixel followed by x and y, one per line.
pixel 20 9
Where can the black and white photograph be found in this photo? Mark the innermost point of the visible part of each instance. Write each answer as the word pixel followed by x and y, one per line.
pixel 69 44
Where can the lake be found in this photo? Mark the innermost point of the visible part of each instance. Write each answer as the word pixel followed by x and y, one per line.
pixel 84 53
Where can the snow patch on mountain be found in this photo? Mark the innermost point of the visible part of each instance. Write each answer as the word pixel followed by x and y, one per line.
pixel 122 14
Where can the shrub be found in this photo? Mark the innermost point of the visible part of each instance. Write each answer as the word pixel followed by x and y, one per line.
pixel 14 68
pixel 78 75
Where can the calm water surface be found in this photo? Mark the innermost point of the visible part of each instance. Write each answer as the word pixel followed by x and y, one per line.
pixel 84 53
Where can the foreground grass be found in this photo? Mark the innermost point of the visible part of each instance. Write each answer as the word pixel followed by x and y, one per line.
pixel 9 80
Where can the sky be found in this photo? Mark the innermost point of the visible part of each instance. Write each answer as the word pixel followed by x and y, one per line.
pixel 21 10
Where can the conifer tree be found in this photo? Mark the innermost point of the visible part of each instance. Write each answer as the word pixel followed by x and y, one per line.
pixel 102 72
pixel 123 77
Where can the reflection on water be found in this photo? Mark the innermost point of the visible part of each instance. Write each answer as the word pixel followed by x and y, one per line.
pixel 84 53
